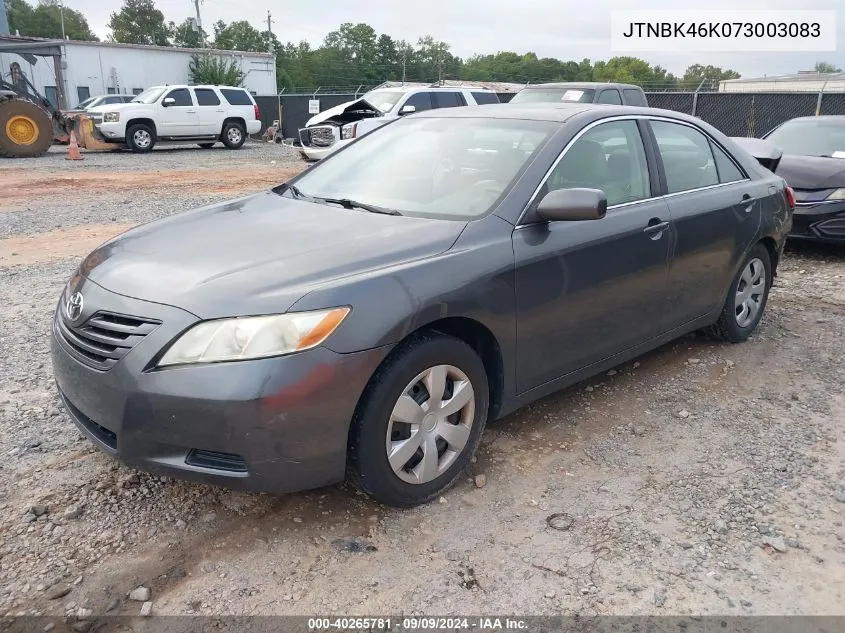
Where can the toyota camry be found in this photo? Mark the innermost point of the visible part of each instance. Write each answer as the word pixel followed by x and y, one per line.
pixel 366 319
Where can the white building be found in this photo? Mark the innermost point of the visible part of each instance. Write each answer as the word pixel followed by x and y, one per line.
pixel 94 68
pixel 807 81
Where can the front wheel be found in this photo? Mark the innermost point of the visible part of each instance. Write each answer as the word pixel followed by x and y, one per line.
pixel 420 421
pixel 233 135
pixel 140 138
pixel 747 298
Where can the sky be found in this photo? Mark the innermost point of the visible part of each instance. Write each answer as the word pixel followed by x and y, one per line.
pixel 566 29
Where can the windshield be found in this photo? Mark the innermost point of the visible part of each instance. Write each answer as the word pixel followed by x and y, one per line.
pixel 150 95
pixel 448 168
pixel 384 100
pixel 87 103
pixel 555 95
pixel 809 137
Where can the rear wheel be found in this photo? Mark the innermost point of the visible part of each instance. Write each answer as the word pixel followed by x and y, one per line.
pixel 420 421
pixel 747 298
pixel 140 138
pixel 25 129
pixel 233 135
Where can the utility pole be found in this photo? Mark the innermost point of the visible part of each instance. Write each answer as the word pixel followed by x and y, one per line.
pixel 62 14
pixel 404 59
pixel 4 22
pixel 269 32
pixel 199 24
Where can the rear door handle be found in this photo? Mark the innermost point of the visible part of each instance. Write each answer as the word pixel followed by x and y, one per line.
pixel 191 111
pixel 749 203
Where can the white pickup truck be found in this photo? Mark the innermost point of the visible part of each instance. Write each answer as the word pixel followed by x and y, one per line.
pixel 330 130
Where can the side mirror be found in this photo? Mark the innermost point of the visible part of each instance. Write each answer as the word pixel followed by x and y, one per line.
pixel 407 109
pixel 168 101
pixel 567 205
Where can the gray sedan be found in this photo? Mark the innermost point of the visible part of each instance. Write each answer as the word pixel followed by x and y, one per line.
pixel 367 318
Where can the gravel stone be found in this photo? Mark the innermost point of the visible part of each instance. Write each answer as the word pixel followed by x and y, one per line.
pixel 140 594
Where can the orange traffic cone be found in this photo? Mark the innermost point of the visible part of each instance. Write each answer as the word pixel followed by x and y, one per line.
pixel 73 148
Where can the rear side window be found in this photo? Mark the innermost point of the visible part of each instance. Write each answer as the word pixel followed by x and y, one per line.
pixel 727 169
pixel 236 97
pixel 687 157
pixel 206 97
pixel 447 99
pixel 421 101
pixel 182 97
pixel 634 97
pixel 610 96
pixel 482 98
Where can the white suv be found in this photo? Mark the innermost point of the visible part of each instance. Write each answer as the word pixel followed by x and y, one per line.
pixel 205 114
pixel 328 131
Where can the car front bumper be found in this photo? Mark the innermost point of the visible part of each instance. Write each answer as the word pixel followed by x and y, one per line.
pixel 271 425
pixel 112 131
pixel 820 222
pixel 318 153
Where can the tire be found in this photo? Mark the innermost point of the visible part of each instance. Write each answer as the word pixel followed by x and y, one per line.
pixel 206 145
pixel 418 361
pixel 744 308
pixel 26 130
pixel 140 138
pixel 233 135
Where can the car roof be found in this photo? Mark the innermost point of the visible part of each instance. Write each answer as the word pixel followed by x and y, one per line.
pixel 839 118
pixel 580 84
pixel 174 86
pixel 558 112
pixel 432 89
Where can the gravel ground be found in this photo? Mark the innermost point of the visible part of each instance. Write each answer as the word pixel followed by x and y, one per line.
pixel 700 479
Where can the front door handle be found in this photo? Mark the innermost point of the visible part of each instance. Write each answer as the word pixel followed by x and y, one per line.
pixel 655 228
pixel 191 111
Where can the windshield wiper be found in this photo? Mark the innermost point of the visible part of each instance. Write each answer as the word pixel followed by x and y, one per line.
pixel 346 203
pixel 294 191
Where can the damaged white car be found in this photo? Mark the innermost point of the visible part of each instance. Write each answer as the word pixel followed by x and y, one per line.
pixel 330 130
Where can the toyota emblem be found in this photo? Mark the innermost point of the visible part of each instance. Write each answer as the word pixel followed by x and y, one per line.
pixel 73 307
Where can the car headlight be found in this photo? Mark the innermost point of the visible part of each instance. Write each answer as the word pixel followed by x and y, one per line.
pixel 838 194
pixel 246 338
pixel 348 131
pixel 111 117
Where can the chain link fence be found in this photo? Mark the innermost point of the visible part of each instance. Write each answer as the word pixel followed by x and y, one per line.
pixel 733 113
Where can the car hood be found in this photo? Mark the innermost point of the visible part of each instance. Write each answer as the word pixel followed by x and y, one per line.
pixel 114 107
pixel 259 254
pixel 812 172
pixel 359 105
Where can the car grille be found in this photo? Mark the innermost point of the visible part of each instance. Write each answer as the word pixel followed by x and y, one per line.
pixel 105 338
pixel 834 228
pixel 100 432
pixel 322 136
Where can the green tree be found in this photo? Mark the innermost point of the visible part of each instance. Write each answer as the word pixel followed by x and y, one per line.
pixel 187 35
pixel 139 22
pixel 434 60
pixel 212 69
pixel 239 36
pixel 710 75
pixel 45 20
pixel 632 70
pixel 826 67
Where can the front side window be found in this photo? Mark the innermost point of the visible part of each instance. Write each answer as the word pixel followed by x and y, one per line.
pixel 421 101
pixel 687 157
pixel 610 157
pixel 447 168
pixel 181 96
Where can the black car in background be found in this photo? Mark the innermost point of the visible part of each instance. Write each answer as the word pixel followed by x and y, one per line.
pixel 813 163
pixel 368 317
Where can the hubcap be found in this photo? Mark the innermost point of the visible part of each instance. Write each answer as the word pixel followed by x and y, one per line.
pixel 22 130
pixel 430 424
pixel 749 293
pixel 142 138
pixel 234 135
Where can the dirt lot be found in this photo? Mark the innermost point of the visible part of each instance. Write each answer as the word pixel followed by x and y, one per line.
pixel 700 479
